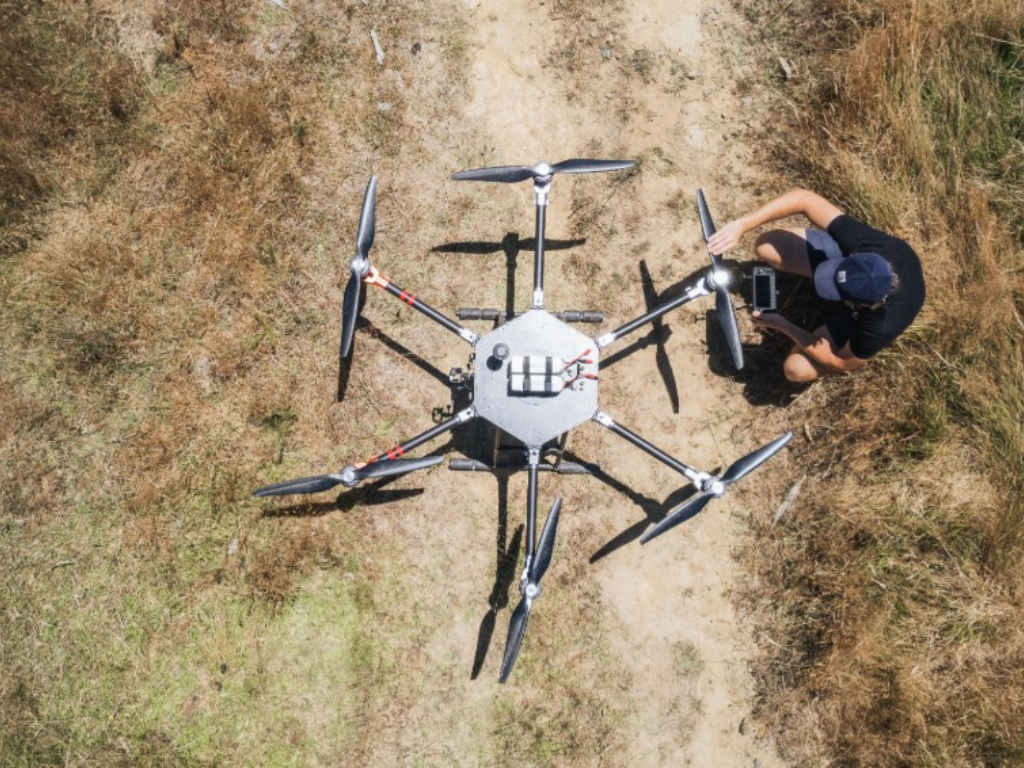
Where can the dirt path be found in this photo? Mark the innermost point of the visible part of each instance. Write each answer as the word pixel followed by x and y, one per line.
pixel 655 81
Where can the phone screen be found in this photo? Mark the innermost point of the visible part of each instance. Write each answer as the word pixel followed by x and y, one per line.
pixel 763 291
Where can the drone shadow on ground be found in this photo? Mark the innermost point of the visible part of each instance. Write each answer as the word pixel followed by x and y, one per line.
pixel 653 509
pixel 370 495
pixel 511 245
pixel 366 328
pixel 507 555
pixel 659 333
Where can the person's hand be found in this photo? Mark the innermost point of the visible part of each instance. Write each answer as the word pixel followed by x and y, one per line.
pixel 725 239
pixel 771 320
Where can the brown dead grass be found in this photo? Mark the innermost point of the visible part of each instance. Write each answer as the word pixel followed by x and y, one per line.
pixel 892 593
pixel 181 188
pixel 166 236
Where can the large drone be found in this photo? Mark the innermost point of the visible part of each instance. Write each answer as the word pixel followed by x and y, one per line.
pixel 535 378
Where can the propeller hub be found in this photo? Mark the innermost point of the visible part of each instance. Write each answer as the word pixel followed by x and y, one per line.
pixel 542 169
pixel 716 488
pixel 359 266
pixel 348 477
pixel 719 278
pixel 531 591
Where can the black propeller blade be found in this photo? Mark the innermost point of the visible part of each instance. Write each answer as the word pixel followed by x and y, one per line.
pixel 510 174
pixel 358 268
pixel 531 591
pixel 507 174
pixel 391 467
pixel 367 220
pixel 591 166
pixel 546 545
pixel 743 467
pixel 720 282
pixel 302 485
pixel 716 487
pixel 516 632
pixel 349 476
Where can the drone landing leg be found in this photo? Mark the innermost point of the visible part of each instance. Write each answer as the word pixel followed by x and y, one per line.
pixel 445 426
pixel 701 289
pixel 374 277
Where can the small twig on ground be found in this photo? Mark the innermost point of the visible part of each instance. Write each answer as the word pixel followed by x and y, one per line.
pixel 998 40
pixel 801 396
pixel 376 47
pixel 787 502
pixel 781 11
pixel 63 564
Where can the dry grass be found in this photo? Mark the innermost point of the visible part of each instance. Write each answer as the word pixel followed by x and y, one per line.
pixel 892 594
pixel 180 188
pixel 170 209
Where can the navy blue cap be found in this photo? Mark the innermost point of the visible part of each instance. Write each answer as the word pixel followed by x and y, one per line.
pixel 863 278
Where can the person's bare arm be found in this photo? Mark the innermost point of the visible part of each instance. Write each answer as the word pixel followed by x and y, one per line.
pixel 816 208
pixel 816 347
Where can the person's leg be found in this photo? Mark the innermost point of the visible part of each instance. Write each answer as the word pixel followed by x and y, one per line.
pixel 800 369
pixel 800 252
pixel 785 250
pixel 797 251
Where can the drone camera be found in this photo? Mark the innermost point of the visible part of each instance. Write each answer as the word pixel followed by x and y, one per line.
pixel 764 289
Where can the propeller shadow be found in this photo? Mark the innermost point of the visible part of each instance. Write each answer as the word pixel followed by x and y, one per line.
pixel 653 509
pixel 344 373
pixel 371 495
pixel 510 244
pixel 661 334
pixel 505 574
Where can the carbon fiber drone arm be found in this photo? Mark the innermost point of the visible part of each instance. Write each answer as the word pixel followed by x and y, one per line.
pixel 691 474
pixel 700 289
pixel 445 426
pixel 374 277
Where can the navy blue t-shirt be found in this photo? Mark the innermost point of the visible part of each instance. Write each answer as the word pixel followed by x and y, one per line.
pixel 869 331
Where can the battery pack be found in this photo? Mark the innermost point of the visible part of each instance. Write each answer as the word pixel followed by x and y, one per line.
pixel 535 375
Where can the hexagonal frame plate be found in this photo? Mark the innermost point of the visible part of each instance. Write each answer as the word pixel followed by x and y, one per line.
pixel 533 419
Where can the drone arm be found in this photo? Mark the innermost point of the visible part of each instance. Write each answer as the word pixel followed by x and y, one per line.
pixel 700 289
pixel 538 255
pixel 374 277
pixel 687 471
pixel 531 506
pixel 445 426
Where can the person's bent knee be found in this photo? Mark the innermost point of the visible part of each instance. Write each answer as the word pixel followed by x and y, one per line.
pixel 799 369
pixel 784 250
pixel 766 248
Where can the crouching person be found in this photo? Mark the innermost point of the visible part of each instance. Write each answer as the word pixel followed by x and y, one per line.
pixel 874 278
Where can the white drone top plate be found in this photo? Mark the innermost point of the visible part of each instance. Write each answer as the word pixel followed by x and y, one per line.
pixel 552 405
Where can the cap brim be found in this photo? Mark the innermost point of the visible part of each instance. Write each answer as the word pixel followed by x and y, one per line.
pixel 825 279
